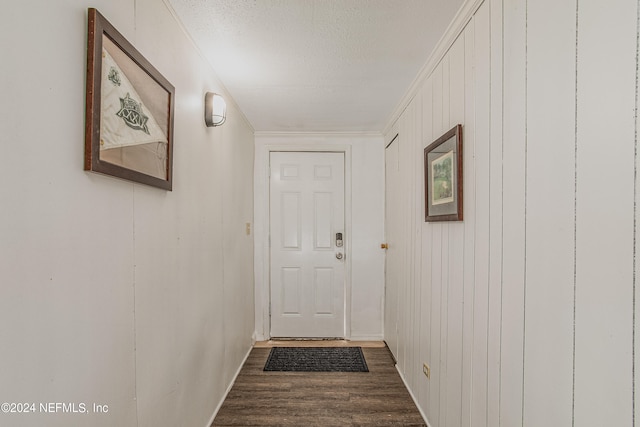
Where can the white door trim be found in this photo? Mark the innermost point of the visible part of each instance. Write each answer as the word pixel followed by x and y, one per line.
pixel 262 260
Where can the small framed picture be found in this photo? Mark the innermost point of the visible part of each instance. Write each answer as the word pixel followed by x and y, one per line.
pixel 129 110
pixel 443 177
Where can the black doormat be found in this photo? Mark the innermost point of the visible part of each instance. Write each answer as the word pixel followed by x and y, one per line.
pixel 316 359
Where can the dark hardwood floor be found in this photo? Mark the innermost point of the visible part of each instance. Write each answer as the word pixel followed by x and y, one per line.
pixel 376 398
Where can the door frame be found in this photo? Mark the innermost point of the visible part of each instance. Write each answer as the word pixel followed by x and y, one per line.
pixel 262 255
pixel 390 336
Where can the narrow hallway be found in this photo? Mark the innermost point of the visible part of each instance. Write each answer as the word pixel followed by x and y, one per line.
pixel 378 397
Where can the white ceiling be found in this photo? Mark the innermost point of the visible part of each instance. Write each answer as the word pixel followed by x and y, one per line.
pixel 316 65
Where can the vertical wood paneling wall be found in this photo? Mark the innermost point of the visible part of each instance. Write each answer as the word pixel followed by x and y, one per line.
pixel 114 292
pixel 524 311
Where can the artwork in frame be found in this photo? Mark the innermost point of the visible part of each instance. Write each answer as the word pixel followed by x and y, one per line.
pixel 129 110
pixel 443 183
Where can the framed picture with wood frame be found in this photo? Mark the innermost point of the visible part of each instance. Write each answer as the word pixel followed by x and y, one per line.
pixel 443 183
pixel 129 110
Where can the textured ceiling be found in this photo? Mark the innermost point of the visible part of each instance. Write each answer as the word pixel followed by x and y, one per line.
pixel 316 65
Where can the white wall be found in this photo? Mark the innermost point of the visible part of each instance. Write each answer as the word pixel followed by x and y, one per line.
pixel 365 184
pixel 112 292
pixel 525 310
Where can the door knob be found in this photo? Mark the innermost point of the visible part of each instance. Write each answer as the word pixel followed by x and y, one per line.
pixel 339 255
pixel 384 246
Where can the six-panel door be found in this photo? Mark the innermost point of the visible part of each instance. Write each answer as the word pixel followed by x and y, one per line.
pixel 307 263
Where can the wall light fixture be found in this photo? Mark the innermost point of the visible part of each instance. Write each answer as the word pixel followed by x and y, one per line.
pixel 215 109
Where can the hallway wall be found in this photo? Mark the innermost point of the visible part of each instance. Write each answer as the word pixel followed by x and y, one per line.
pixel 525 311
pixel 112 292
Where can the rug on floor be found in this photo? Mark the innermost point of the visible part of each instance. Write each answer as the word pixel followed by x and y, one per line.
pixel 316 359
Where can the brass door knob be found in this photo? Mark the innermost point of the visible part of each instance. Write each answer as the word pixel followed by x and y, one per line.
pixel 384 246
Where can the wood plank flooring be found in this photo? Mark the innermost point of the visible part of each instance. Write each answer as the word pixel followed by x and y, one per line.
pixel 375 398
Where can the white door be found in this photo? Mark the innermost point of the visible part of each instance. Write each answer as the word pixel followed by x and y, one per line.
pixel 393 256
pixel 307 254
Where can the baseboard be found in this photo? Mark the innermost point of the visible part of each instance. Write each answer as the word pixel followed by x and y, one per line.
pixel 424 416
pixel 375 337
pixel 233 380
pixel 395 361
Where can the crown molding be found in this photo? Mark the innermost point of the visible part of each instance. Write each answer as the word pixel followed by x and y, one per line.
pixel 311 134
pixel 455 28
pixel 222 89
